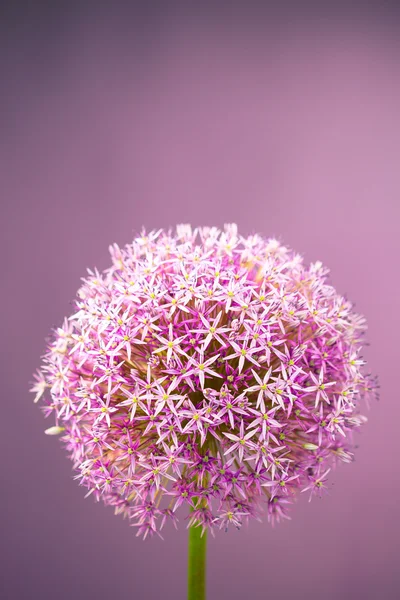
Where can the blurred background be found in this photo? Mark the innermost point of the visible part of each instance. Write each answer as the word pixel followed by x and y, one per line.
pixel 284 119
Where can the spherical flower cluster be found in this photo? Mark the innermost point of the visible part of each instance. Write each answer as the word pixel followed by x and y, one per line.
pixel 206 370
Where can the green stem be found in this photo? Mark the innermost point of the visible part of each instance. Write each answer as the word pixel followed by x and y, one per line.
pixel 197 564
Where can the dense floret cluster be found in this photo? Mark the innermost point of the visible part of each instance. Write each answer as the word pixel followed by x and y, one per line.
pixel 208 370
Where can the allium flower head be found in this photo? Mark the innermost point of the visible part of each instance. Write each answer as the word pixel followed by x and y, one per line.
pixel 208 370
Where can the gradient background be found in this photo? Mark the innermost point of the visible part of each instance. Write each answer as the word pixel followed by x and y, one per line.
pixel 283 120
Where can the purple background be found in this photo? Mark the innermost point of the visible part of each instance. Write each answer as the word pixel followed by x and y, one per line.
pixel 286 123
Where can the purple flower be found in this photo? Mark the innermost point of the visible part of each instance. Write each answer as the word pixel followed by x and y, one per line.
pixel 205 370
